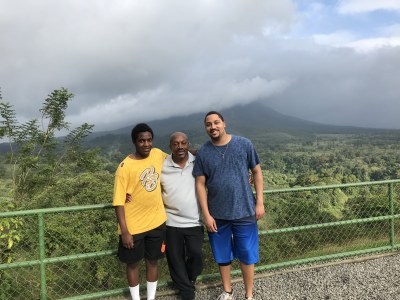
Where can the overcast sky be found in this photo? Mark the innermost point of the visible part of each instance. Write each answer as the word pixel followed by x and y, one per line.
pixel 334 62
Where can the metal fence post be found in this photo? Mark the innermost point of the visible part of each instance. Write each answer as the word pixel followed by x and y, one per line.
pixel 391 207
pixel 42 256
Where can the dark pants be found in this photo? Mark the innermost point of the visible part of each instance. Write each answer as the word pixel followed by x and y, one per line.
pixel 184 256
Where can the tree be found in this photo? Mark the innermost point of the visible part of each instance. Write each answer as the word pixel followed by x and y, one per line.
pixel 36 155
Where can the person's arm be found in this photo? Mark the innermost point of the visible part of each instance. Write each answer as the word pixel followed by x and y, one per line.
pixel 209 221
pixel 193 151
pixel 127 238
pixel 259 188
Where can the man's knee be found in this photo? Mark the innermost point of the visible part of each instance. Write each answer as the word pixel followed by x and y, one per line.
pixel 196 253
pixel 151 262
pixel 132 266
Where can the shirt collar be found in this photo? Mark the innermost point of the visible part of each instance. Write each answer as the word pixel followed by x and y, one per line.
pixel 171 163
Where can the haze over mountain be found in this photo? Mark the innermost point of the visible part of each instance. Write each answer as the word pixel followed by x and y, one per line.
pixel 240 118
pixel 256 121
pixel 253 120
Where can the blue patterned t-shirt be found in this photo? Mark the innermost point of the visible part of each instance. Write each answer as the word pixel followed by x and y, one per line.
pixel 226 169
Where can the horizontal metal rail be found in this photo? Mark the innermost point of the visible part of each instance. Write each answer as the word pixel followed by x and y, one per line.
pixel 52 210
pixel 58 259
pixel 331 186
pixel 330 224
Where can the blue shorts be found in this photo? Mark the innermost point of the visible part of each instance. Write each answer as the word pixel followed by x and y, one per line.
pixel 235 239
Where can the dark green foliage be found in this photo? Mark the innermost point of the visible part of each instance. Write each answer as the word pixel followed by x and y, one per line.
pixel 83 188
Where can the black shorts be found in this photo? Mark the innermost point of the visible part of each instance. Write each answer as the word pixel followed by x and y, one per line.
pixel 149 245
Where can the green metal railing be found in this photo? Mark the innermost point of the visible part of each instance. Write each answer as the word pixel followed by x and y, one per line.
pixel 391 217
pixel 302 225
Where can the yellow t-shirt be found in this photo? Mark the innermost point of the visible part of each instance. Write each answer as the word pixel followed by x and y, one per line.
pixel 141 179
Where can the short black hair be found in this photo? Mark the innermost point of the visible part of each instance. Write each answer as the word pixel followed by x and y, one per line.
pixel 213 112
pixel 141 127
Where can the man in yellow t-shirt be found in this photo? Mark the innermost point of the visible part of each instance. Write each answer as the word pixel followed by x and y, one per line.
pixel 141 221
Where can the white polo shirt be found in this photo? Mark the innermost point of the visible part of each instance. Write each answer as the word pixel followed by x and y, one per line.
pixel 179 193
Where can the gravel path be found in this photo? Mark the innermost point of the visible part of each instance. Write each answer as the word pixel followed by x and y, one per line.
pixel 376 277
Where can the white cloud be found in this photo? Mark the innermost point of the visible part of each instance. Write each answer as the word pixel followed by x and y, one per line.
pixel 336 39
pixel 348 40
pixel 363 6
pixel 368 45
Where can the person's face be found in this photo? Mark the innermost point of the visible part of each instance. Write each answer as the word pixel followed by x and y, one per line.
pixel 143 144
pixel 215 127
pixel 179 146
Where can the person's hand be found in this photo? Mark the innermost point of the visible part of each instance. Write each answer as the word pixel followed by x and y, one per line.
pixel 210 223
pixel 127 240
pixel 260 212
pixel 128 198
pixel 192 150
pixel 251 178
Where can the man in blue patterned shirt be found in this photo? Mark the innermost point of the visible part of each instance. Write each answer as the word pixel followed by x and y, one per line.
pixel 229 207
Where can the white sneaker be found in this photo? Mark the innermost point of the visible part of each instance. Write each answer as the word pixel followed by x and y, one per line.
pixel 225 296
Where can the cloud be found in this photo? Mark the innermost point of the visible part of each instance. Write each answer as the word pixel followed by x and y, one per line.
pixel 342 87
pixel 368 45
pixel 364 6
pixel 166 100
pixel 106 52
pixel 348 40
pixel 129 60
pixel 336 39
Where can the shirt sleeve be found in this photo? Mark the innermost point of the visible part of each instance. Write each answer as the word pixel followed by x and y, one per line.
pixel 252 155
pixel 120 188
pixel 198 169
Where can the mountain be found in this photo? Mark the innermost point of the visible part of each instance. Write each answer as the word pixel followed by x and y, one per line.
pixel 253 120
pixel 249 117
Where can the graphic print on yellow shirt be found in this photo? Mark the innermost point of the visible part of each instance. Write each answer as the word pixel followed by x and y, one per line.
pixel 141 179
pixel 149 179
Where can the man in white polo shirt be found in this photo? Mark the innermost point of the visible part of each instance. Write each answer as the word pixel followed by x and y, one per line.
pixel 184 227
